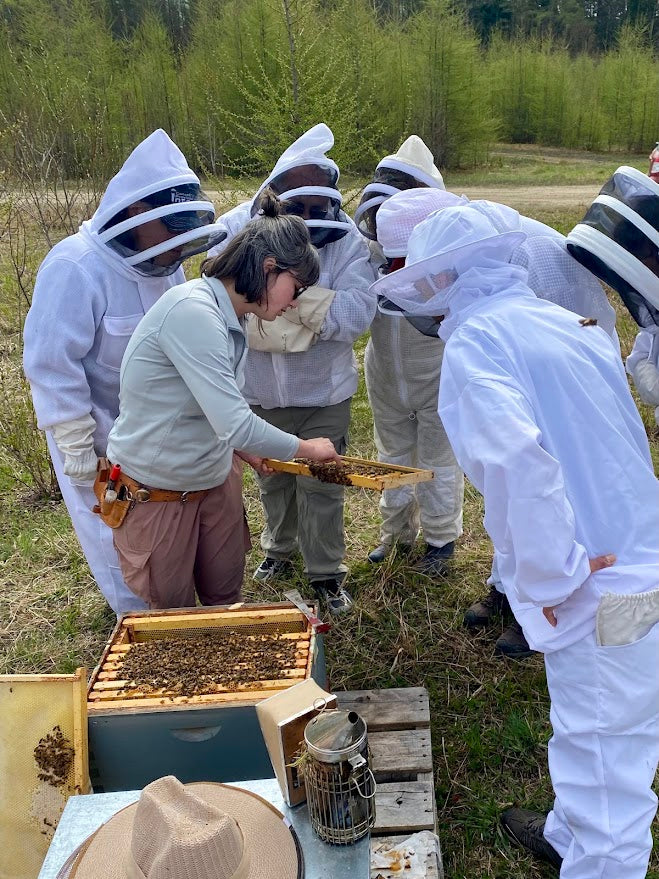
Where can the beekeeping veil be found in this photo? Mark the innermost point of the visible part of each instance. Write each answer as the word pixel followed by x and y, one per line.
pixel 153 214
pixel 413 165
pixel 306 180
pixel 397 218
pixel 618 240
pixel 455 249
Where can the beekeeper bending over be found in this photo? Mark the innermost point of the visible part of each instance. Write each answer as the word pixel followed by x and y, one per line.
pixel 182 415
pixel 301 372
pixel 91 291
pixel 540 417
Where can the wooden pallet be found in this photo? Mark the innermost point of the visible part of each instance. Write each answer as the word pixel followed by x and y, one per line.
pixel 398 722
pixel 109 692
pixel 392 476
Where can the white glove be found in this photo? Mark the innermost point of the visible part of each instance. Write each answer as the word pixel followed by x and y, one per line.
pixel 312 308
pixel 640 351
pixel 75 440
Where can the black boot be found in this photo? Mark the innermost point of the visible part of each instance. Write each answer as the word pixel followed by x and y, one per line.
pixel 482 612
pixel 436 560
pixel 512 644
pixel 526 829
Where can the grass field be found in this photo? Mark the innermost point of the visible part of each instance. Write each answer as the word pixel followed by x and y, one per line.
pixel 489 717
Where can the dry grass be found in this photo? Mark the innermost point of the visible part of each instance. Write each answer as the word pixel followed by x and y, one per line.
pixel 489 717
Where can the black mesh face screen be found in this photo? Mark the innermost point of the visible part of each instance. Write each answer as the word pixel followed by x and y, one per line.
pixel 645 314
pixel 609 222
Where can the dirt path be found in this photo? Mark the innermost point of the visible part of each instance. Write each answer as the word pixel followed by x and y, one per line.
pixel 524 198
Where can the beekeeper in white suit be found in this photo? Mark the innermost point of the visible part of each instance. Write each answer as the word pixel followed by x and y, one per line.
pixel 402 374
pixel 618 239
pixel 540 417
pixel 301 372
pixel 552 274
pixel 91 291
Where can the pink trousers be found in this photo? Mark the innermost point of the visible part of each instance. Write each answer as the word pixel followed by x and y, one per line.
pixel 168 549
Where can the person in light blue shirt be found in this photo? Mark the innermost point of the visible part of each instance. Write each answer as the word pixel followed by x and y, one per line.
pixel 182 414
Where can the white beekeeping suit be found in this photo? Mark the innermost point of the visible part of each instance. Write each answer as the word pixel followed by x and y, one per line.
pixel 402 369
pixel 91 291
pixel 319 378
pixel 618 239
pixel 539 414
pixel 643 366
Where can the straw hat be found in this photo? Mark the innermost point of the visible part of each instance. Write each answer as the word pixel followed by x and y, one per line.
pixel 193 831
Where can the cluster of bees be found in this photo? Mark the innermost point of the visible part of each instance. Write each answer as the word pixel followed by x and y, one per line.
pixel 54 756
pixel 195 666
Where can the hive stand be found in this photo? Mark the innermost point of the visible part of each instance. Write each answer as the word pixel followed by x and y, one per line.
pixel 398 722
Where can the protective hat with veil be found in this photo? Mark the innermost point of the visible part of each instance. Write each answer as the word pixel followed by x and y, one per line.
pixel 413 166
pixel 618 240
pixel 305 179
pixel 153 215
pixel 398 217
pixel 192 831
pixel 457 249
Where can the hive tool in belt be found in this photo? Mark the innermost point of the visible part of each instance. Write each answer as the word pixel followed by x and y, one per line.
pixel 295 598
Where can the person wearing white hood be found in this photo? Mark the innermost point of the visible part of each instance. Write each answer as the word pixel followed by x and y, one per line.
pixel 552 275
pixel 618 240
pixel 91 291
pixel 539 414
pixel 301 371
pixel 402 375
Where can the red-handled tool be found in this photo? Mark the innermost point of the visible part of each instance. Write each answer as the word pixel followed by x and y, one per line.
pixel 110 495
pixel 295 598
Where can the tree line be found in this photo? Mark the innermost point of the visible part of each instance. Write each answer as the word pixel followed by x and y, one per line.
pixel 234 81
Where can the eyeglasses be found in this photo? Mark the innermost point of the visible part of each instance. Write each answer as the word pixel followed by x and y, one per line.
pixel 298 208
pixel 299 288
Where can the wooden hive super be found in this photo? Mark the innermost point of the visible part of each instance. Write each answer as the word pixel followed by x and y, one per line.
pixel 197 731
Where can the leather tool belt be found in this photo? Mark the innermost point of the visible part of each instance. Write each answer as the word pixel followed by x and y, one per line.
pixel 130 492
pixel 141 494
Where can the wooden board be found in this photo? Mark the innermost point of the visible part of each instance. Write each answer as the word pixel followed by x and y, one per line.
pixel 398 722
pixel 394 477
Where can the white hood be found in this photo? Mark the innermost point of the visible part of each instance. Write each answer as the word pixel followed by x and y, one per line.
pixel 308 149
pixel 155 164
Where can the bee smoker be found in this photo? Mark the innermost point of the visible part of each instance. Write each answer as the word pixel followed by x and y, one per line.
pixel 338 778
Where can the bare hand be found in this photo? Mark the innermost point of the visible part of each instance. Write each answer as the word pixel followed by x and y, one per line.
pixel 602 561
pixel 596 564
pixel 256 463
pixel 320 449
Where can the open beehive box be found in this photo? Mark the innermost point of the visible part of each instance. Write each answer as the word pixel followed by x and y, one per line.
pixel 177 688
pixel 355 471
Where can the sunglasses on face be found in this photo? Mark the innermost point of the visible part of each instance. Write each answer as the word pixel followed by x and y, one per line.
pixel 297 209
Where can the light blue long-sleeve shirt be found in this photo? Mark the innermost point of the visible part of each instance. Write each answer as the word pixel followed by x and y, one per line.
pixel 181 410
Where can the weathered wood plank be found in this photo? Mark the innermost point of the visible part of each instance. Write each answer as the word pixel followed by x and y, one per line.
pixel 404 807
pixel 401 751
pixel 395 709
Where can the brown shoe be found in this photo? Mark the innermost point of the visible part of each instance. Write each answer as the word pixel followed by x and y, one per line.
pixel 482 612
pixel 512 644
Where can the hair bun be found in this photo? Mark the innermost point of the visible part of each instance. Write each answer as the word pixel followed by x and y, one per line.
pixel 269 204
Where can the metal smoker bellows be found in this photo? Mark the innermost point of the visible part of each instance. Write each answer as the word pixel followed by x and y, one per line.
pixel 339 781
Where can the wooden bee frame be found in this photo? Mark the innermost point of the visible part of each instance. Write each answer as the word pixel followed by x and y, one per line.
pixel 392 476
pixel 108 692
